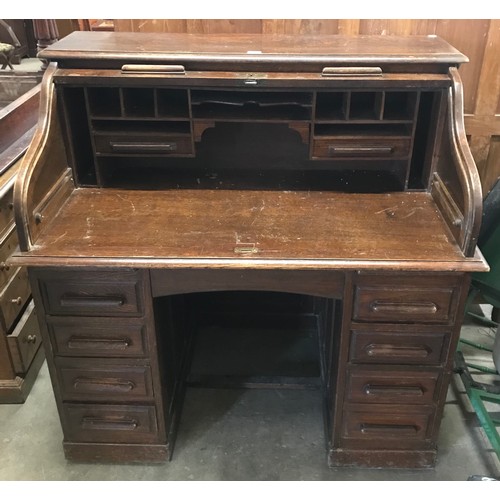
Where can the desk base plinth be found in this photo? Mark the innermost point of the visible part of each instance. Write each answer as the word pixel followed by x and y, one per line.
pixel 378 459
pixel 117 453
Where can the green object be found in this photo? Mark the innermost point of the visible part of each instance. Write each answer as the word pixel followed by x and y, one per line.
pixel 488 284
pixel 479 394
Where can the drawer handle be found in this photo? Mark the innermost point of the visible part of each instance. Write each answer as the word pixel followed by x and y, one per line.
pixel 17 301
pixel 104 302
pixel 379 306
pixel 153 68
pixel 403 430
pixel 385 350
pixel 389 390
pixel 31 339
pixel 110 385
pixel 347 71
pixel 104 424
pixel 4 266
pixel 98 344
pixel 143 147
pixel 358 150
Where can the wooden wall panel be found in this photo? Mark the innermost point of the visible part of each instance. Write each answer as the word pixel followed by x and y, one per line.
pixel 300 26
pixel 479 39
pixel 469 37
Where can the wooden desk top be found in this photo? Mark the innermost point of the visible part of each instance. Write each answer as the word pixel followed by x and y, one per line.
pixel 241 49
pixel 272 229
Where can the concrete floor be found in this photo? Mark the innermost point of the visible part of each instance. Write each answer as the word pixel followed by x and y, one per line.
pixel 238 435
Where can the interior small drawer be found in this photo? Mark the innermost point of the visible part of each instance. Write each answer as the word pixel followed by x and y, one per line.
pixel 390 385
pixel 404 304
pixel 13 297
pixel 94 337
pixel 143 144
pixel 88 423
pixel 363 147
pixel 25 340
pixel 92 293
pixel 101 380
pixel 394 426
pixel 396 344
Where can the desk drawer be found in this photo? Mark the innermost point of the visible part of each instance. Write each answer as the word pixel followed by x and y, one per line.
pixel 390 385
pixel 7 247
pixel 110 423
pixel 109 293
pixel 387 426
pixel 13 297
pixel 7 210
pixel 394 344
pixel 405 301
pixel 150 144
pixel 94 337
pixel 25 340
pixel 104 380
pixel 363 147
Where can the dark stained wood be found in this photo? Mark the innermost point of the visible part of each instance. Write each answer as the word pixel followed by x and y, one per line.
pixel 273 225
pixel 380 235
pixel 197 51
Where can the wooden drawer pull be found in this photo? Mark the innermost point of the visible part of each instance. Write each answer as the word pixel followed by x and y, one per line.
pixel 153 68
pixel 388 390
pixel 104 344
pixel 353 71
pixel 358 150
pixel 111 385
pixel 403 430
pixel 404 307
pixel 104 302
pixel 384 350
pixel 104 424
pixel 143 147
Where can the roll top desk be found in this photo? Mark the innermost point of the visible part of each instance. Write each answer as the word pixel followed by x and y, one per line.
pixel 330 167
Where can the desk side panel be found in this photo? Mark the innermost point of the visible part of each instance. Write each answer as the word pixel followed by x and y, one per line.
pixel 45 180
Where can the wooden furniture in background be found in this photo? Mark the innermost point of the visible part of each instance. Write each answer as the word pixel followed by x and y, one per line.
pixel 478 39
pixel 21 354
pixel 23 30
pixel 333 167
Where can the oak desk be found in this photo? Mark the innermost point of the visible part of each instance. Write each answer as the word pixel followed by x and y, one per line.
pixel 331 168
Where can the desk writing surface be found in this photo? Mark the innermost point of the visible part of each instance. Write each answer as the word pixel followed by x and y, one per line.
pixel 210 224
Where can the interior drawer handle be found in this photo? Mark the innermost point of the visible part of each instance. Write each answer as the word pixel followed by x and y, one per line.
pixel 389 390
pixel 98 344
pixel 130 147
pixel 403 430
pixel 358 150
pixel 110 385
pixel 94 302
pixel 383 350
pixel 104 424
pixel 378 306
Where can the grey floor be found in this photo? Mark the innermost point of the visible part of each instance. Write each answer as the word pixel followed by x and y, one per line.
pixel 239 435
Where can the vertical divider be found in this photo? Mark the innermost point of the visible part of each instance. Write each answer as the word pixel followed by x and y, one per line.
pixel 379 105
pixel 91 131
pixel 191 121
pixel 412 140
pixel 346 105
pixel 156 111
pixel 122 102
pixel 312 125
